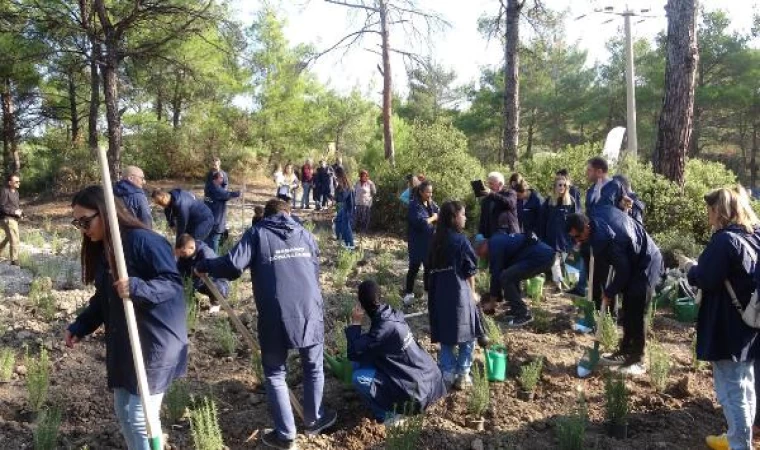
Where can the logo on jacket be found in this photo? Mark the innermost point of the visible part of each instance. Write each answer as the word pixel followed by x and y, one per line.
pixel 289 253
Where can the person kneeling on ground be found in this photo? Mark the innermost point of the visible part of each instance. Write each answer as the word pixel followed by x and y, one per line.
pixel 189 251
pixel 395 376
pixel 513 258
pixel 621 243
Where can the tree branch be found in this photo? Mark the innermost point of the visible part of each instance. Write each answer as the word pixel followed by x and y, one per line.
pixel 354 5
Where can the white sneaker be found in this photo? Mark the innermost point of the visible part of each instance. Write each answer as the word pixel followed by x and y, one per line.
pixel 408 299
pixel 395 420
pixel 214 309
pixel 634 369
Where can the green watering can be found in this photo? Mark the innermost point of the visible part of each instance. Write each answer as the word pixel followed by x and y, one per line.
pixel 535 287
pixel 496 363
pixel 341 367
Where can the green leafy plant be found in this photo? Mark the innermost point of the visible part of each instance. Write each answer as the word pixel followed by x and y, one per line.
pixel 480 395
pixel 530 374
pixel 345 304
pixel 482 282
pixel 46 429
pixel 33 238
pixel 340 278
pixel 393 298
pixel 233 298
pixel 340 344
pixel 607 333
pixel 204 426
pixel 38 379
pixel 541 319
pixel 571 429
pixel 28 262
pixel 659 366
pixel 176 400
pixel 347 259
pixel 7 363
pixel 191 304
pixel 47 224
pixel 696 363
pixel 616 395
pixel 493 331
pixel 56 244
pixel 257 367
pixel 309 225
pixel 224 337
pixel 406 434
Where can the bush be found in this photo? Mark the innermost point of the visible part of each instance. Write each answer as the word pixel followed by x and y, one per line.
pixel 571 429
pixel 493 331
pixel 177 399
pixel 224 337
pixel 659 366
pixel 7 363
pixel 204 425
pixel 530 374
pixel 406 434
pixel 480 396
pixel 608 333
pixel 616 395
pixel 46 429
pixel 38 379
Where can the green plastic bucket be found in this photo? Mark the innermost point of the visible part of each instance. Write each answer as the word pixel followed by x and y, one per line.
pixel 341 368
pixel 535 287
pixel 482 263
pixel 496 363
pixel 686 309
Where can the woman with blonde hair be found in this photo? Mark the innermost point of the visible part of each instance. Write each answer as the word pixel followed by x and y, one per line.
pixel 725 272
pixel 554 214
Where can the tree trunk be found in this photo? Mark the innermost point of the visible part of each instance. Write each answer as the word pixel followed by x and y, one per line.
pixel 512 81
pixel 73 107
pixel 695 133
pixel 159 105
pixel 92 116
pixel 753 161
pixel 675 127
pixel 390 152
pixel 177 100
pixel 529 145
pixel 11 161
pixel 110 70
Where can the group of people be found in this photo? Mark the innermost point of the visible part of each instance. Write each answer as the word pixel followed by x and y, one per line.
pixel 521 235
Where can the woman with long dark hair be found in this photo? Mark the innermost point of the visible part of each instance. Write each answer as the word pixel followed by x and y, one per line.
pixel 155 288
pixel 452 305
pixel 421 217
pixel 346 201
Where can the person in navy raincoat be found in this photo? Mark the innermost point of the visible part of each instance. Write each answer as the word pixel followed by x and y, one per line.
pixel 421 216
pixel 184 213
pixel 621 243
pixel 130 190
pixel 722 336
pixel 324 181
pixel 514 257
pixel 498 200
pixel 556 208
pixel 217 168
pixel 284 262
pixel 575 193
pixel 630 203
pixel 155 288
pixel 216 198
pixel 529 206
pixel 345 197
pixel 189 252
pixel 394 374
pixel 452 303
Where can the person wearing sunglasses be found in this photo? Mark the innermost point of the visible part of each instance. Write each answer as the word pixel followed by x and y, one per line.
pixel 10 212
pixel 155 288
pixel 554 214
pixel 130 190
pixel 185 213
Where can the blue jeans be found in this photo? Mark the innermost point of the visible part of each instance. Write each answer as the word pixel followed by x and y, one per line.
pixel 277 389
pixel 343 229
pixel 305 203
pixel 129 412
pixel 582 276
pixel 213 240
pixel 456 364
pixel 364 382
pixel 735 389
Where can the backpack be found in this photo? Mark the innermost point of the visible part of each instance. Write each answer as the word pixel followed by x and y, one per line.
pixel 751 314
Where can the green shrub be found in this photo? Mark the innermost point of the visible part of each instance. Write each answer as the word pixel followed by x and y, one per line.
pixel 480 395
pixel 616 395
pixel 571 429
pixel 607 333
pixel 493 331
pixel 340 344
pixel 7 363
pixel 204 426
pixel 224 337
pixel 176 400
pixel 659 366
pixel 257 367
pixel 696 363
pixel 405 435
pixel 530 374
pixel 38 379
pixel 191 304
pixel 541 319
pixel 46 430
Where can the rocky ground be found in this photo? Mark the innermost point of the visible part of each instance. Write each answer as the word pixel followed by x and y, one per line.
pixel 677 418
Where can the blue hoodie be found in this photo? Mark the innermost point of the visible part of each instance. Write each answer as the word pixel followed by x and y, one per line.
pixel 420 231
pixel 135 200
pixel 186 265
pixel 622 243
pixel 529 213
pixel 216 199
pixel 610 195
pixel 189 215
pixel 210 178
pixel 284 262
pixel 721 332
pixel 155 288
pixel 405 369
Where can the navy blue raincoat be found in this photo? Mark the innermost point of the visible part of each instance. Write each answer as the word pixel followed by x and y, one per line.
pixel 405 371
pixel 216 200
pixel 420 231
pixel 529 213
pixel 155 288
pixel 721 332
pixel 622 243
pixel 323 181
pixel 189 215
pixel 575 193
pixel 610 195
pixel 135 200
pixel 453 314
pixel 210 178
pixel 494 205
pixel 284 262
pixel 347 198
pixel 509 249
pixel 637 211
pixel 186 265
pixel 554 225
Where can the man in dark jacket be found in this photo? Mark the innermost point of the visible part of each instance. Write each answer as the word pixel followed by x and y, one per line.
pixel 621 243
pixel 324 184
pixel 130 190
pixel 284 262
pixel 217 168
pixel 497 201
pixel 394 375
pixel 184 213
pixel 216 199
pixel 189 252
pixel 10 211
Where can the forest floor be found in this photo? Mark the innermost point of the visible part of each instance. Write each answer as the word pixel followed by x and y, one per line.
pixel 677 418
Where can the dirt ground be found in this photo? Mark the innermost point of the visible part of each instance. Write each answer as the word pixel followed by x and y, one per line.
pixel 678 418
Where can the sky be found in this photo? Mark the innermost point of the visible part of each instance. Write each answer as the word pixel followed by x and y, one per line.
pixel 460 47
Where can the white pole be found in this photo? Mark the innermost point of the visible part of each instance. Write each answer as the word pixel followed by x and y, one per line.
pixel 154 430
pixel 633 143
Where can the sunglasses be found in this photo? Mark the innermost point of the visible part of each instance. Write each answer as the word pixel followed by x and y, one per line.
pixel 560 185
pixel 83 223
